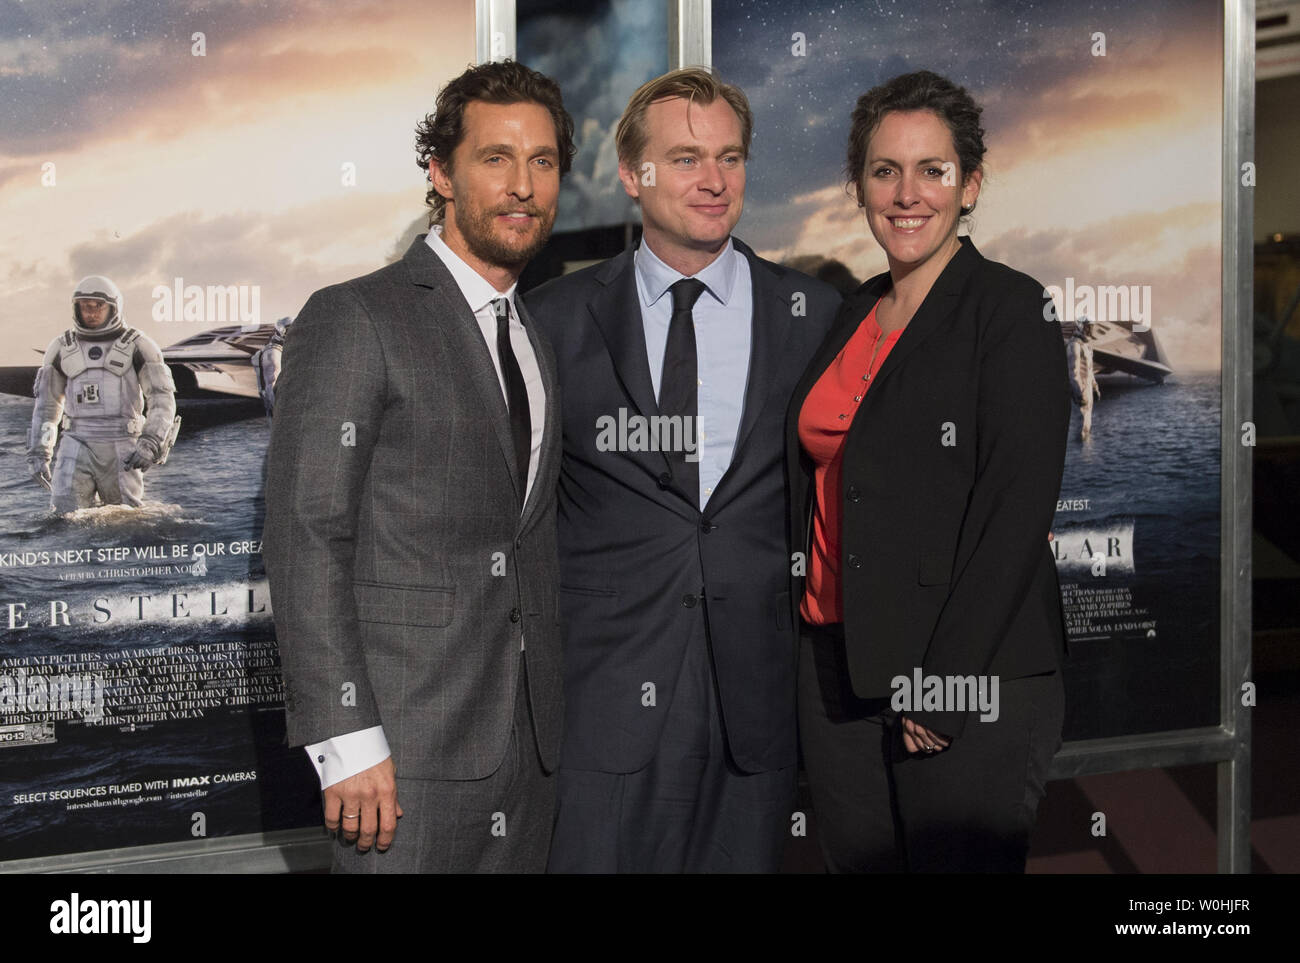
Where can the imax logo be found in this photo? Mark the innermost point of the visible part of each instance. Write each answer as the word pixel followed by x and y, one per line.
pixel 186 781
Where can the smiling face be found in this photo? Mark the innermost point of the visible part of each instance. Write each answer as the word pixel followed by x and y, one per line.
pixel 502 187
pixel 912 213
pixel 691 204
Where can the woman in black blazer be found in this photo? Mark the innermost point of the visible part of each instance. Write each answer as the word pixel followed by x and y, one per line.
pixel 925 446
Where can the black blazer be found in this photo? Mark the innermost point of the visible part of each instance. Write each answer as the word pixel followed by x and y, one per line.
pixel 635 553
pixel 952 468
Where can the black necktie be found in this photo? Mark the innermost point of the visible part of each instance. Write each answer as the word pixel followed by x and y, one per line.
pixel 521 423
pixel 679 384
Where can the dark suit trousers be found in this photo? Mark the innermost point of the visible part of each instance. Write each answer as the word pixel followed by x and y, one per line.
pixel 499 824
pixel 689 810
pixel 969 808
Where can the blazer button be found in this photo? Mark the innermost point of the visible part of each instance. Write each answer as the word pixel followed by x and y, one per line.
pixel 690 601
pixel 665 480
pixel 514 615
pixel 854 494
pixel 855 562
pixel 519 542
pixel 706 526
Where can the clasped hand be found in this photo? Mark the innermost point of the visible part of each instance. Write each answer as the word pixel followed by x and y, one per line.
pixel 917 738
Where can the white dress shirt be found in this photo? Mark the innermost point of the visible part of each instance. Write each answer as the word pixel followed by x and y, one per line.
pixel 346 755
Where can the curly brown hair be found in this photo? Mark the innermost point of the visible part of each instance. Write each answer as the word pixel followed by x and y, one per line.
pixel 501 82
pixel 922 90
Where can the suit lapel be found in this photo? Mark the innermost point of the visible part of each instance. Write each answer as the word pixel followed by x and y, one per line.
pixel 769 334
pixel 938 306
pixel 551 419
pixel 449 310
pixel 616 309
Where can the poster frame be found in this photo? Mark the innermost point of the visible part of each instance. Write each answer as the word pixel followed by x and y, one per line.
pixel 1228 745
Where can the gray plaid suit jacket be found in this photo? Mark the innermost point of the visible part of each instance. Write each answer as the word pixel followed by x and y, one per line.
pixel 402 571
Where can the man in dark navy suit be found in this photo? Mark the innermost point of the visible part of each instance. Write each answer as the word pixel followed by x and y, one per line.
pixel 676 364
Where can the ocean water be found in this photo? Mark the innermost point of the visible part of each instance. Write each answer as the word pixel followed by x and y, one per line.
pixel 1153 461
pixel 1153 457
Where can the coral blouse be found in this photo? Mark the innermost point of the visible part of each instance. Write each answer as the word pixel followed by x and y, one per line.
pixel 824 422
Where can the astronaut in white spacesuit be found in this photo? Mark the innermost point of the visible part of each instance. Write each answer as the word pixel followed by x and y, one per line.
pixel 266 362
pixel 1083 377
pixel 106 388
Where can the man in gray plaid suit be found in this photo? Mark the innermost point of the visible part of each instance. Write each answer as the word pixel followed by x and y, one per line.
pixel 410 496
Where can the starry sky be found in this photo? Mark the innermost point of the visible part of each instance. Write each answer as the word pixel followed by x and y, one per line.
pixel 221 169
pixel 1106 169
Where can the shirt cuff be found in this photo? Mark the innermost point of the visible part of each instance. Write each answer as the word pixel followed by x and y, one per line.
pixel 343 756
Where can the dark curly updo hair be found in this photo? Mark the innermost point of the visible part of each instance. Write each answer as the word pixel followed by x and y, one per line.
pixel 922 90
pixel 502 82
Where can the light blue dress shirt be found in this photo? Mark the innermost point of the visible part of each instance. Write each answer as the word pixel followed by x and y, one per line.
pixel 723 335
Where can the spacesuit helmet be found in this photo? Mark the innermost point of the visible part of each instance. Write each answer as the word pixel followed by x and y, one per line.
pixel 100 287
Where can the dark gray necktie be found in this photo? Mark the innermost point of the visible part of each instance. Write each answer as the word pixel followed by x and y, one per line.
pixel 521 423
pixel 679 383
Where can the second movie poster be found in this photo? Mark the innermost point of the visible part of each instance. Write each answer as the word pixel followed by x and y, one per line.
pixel 1102 181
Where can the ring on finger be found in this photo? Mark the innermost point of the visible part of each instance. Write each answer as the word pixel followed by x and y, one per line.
pixel 351 815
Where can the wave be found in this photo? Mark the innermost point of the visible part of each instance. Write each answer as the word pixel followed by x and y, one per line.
pixel 149 516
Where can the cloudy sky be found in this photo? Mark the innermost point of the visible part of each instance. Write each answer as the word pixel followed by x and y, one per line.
pixel 1101 168
pixel 221 169
pixel 600 52
pixel 227 169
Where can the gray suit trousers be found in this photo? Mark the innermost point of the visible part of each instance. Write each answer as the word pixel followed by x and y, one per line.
pixel 498 824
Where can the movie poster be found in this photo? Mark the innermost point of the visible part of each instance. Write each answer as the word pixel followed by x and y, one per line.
pixel 599 52
pixel 1103 181
pixel 190 174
